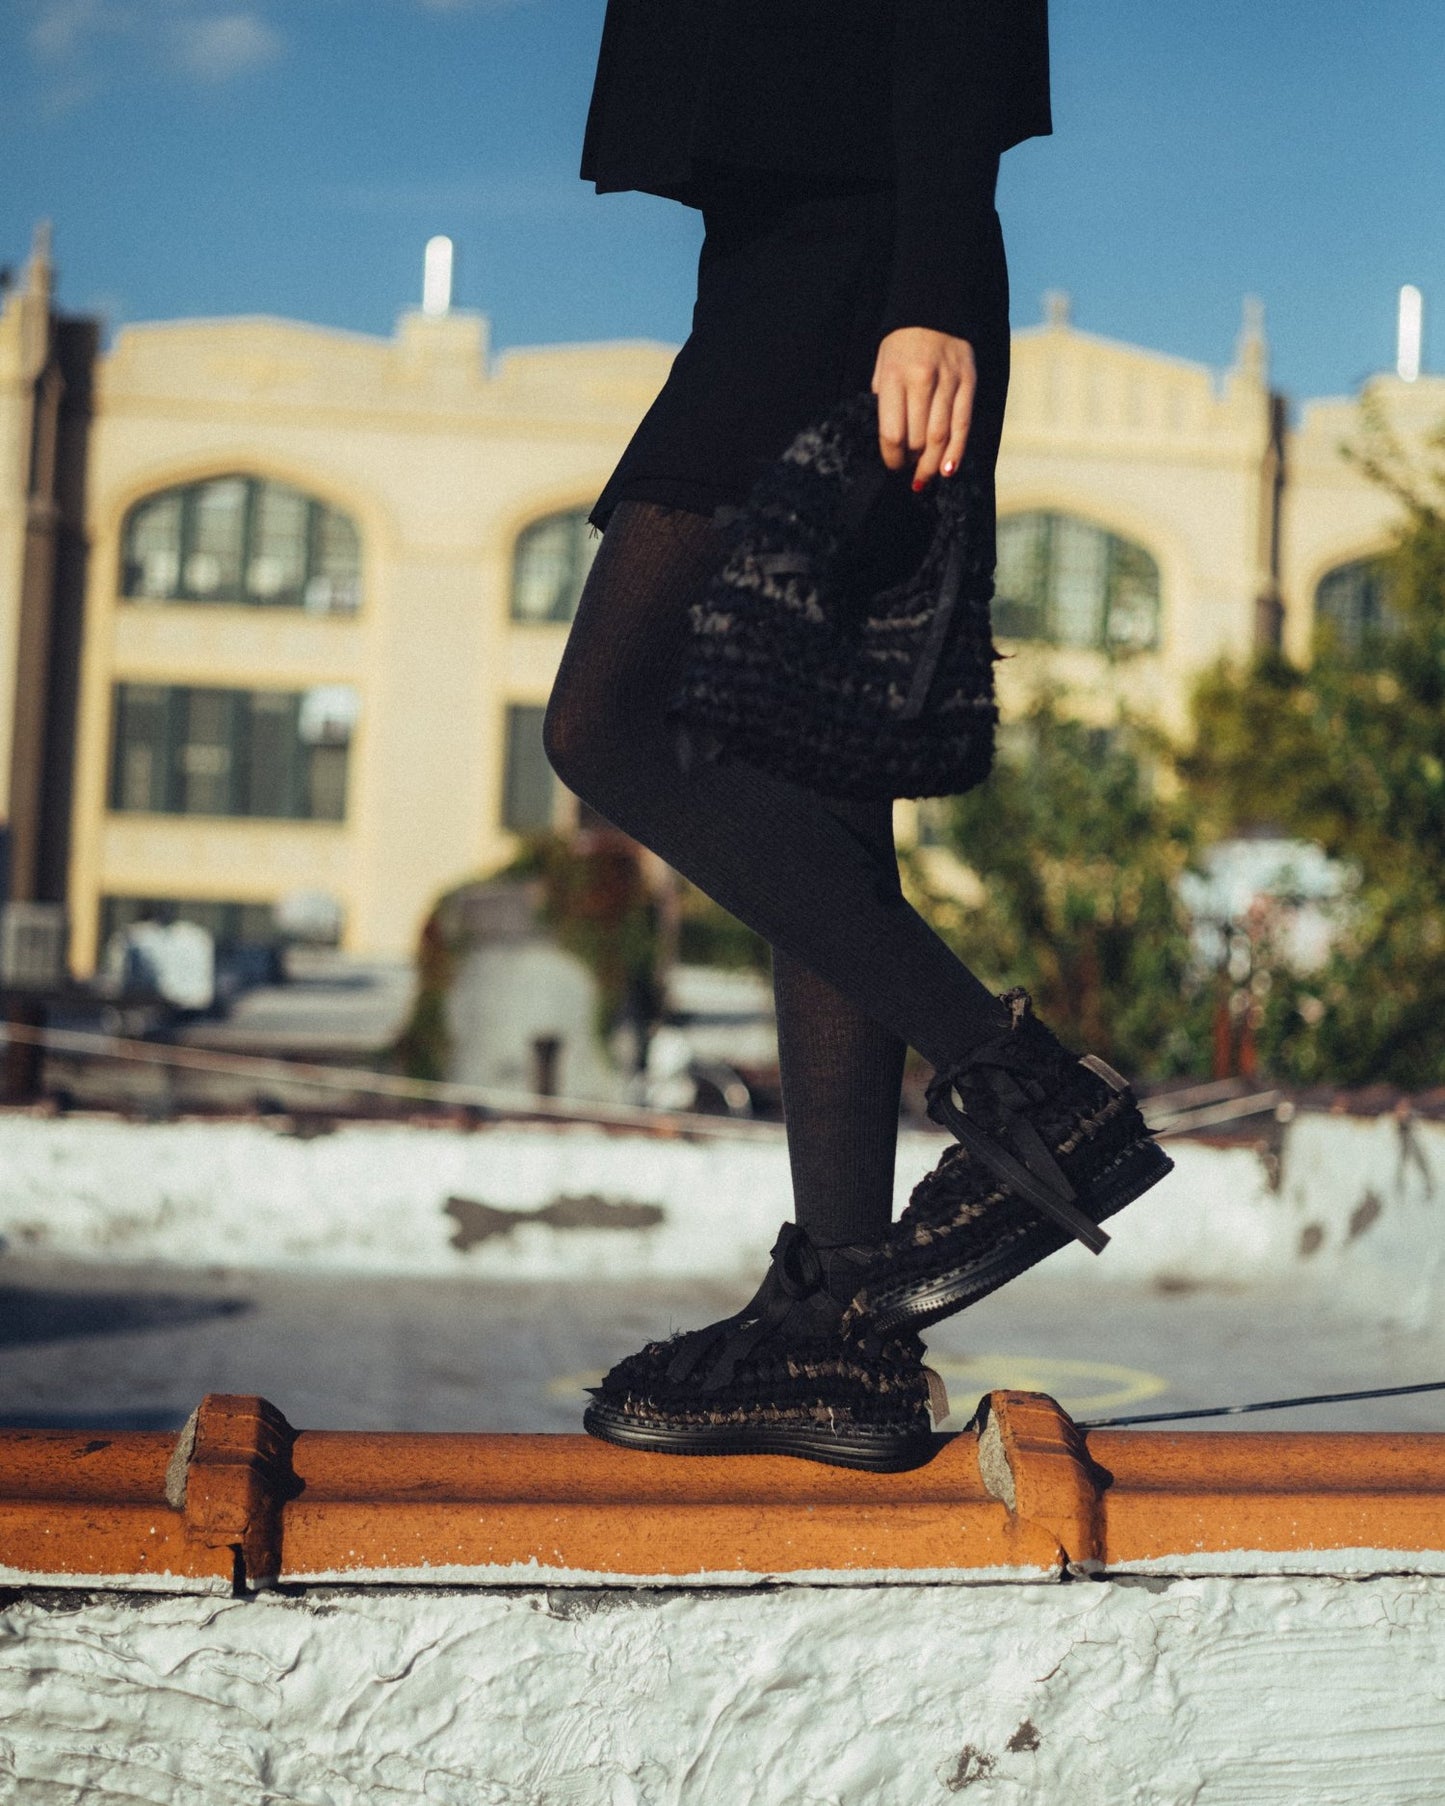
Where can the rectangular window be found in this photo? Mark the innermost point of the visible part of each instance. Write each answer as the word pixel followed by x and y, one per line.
pixel 210 756
pixel 138 761
pixel 326 783
pixel 275 756
pixel 528 785
pixel 253 753
pixel 229 924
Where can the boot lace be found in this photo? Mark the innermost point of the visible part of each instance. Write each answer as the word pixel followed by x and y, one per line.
pixel 984 1100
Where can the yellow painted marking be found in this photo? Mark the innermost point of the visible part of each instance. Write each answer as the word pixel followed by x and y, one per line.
pixel 1079 1386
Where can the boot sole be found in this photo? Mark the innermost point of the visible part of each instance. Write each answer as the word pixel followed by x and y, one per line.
pixel 922 1301
pixel 878 1451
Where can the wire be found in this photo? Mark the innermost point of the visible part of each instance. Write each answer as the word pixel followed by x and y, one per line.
pixel 1269 1404
pixel 341 1078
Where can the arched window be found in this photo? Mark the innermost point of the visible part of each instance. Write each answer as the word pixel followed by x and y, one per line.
pixel 551 563
pixel 241 539
pixel 1066 582
pixel 1352 601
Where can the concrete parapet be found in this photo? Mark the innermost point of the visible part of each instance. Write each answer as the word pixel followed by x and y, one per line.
pixel 244 1500
pixel 548 1621
pixel 1346 1202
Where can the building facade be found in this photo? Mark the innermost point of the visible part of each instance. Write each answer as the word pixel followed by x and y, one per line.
pixel 329 578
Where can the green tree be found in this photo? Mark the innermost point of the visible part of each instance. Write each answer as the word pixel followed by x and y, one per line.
pixel 423 1048
pixel 1078 844
pixel 1350 753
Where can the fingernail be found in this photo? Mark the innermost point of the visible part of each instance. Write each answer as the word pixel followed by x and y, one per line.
pixel 917 485
pixel 948 467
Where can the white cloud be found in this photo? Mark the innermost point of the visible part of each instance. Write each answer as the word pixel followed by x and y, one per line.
pixel 64 28
pixel 227 44
pixel 70 37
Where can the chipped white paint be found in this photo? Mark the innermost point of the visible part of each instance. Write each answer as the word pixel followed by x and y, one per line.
pixel 1356 1202
pixel 1364 1198
pixel 533 1573
pixel 1207 1692
pixel 154 1580
pixel 372 1197
pixel 1341 1563
pixel 1189 1564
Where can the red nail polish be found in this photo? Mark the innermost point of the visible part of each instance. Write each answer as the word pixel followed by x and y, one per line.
pixel 916 485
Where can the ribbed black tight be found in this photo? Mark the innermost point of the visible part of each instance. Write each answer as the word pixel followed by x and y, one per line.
pixel 858 975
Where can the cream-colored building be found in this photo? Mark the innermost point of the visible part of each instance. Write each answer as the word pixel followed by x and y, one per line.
pixel 330 577
pixel 1135 498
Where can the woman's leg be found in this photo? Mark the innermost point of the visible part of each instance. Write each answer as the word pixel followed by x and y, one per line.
pixel 841 1075
pixel 861 972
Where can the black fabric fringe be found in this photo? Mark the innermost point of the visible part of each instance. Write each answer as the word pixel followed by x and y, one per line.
pixel 821 1384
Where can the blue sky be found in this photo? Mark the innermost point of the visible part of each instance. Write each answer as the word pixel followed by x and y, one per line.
pixel 292 156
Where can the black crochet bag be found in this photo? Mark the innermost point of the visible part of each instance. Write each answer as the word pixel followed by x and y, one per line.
pixel 844 640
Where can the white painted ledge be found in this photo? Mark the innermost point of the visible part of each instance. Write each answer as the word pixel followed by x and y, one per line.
pixel 1215 1692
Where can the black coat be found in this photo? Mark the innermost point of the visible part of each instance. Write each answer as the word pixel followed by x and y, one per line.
pixel 925 94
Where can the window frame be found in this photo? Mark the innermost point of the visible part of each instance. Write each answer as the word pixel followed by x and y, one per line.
pixel 582 550
pixel 1118 551
pixel 188 495
pixel 511 735
pixel 1355 636
pixel 168 777
pixel 226 919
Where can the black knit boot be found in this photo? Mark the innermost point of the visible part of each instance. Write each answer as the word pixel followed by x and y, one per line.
pixel 781 1377
pixel 1049 1144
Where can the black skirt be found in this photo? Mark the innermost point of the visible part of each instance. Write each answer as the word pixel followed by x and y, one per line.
pixel 791 285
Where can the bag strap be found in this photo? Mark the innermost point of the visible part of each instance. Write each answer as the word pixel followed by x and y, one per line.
pixel 937 630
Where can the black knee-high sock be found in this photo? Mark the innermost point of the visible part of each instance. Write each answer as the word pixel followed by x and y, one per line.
pixel 841 1074
pixel 816 878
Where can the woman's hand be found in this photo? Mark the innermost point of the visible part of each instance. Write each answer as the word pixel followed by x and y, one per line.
pixel 924 381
